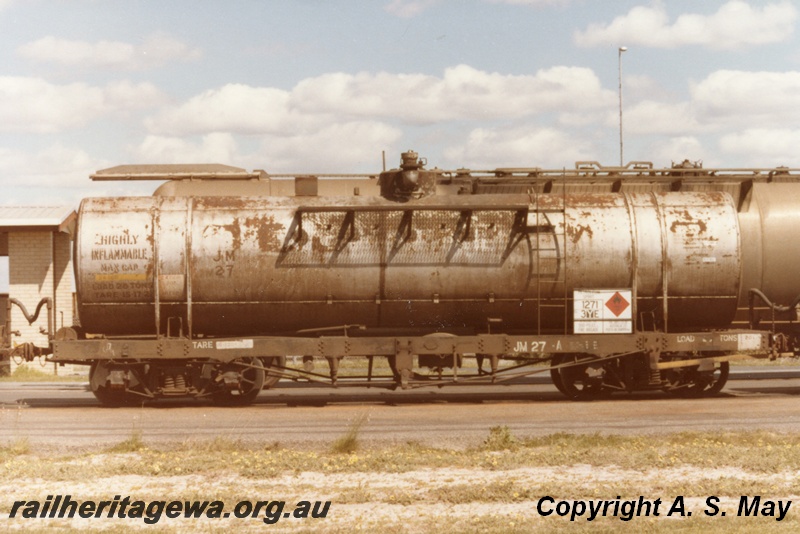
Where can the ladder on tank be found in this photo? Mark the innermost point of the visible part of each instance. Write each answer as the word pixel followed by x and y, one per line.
pixel 546 228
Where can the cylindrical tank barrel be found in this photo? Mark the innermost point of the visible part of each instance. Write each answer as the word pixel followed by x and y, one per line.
pixel 234 266
pixel 770 221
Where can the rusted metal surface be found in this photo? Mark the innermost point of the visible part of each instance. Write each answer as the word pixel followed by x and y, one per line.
pixel 234 266
pixel 208 188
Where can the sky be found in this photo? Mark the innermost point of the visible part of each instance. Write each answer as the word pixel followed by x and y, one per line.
pixel 313 86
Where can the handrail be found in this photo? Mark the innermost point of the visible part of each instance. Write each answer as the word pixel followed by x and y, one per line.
pixel 753 292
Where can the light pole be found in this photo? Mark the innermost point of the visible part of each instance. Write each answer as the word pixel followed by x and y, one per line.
pixel 619 64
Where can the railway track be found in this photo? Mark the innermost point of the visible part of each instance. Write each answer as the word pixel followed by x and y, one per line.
pixel 67 416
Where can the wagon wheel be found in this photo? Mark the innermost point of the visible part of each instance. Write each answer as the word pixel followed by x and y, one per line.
pixel 555 374
pixel 108 396
pixel 113 397
pixel 250 374
pixel 706 383
pixel 719 379
pixel 582 382
pixel 272 362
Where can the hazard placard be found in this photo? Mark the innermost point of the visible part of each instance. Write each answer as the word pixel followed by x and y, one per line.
pixel 603 311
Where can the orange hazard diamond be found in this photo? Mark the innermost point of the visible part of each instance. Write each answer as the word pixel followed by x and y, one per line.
pixel 617 304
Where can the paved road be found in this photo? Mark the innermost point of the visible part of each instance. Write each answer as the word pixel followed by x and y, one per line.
pixel 66 416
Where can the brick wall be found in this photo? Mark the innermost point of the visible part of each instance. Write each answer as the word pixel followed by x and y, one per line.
pixel 62 279
pixel 39 266
pixel 30 278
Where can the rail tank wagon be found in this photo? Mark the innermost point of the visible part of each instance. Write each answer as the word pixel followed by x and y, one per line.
pixel 227 266
pixel 612 279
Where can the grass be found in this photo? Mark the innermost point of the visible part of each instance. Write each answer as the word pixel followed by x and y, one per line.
pixel 501 439
pixel 134 443
pixel 427 489
pixel 348 443
pixel 755 452
pixel 17 447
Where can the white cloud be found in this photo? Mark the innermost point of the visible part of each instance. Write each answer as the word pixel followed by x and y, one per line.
pixel 343 120
pixel 35 105
pixel 407 9
pixel 122 96
pixel 233 108
pixel 678 149
pixel 763 146
pixel 56 166
pixel 748 97
pixel 335 148
pixel 156 50
pixel 411 8
pixel 338 147
pixel 580 119
pixel 462 93
pixel 650 116
pixel 725 100
pixel 213 148
pixel 734 25
pixel 523 146
pixel 642 86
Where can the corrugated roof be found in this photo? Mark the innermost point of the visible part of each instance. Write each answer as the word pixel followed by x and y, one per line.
pixel 35 216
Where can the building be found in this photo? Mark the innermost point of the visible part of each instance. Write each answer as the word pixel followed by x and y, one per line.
pixel 37 242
